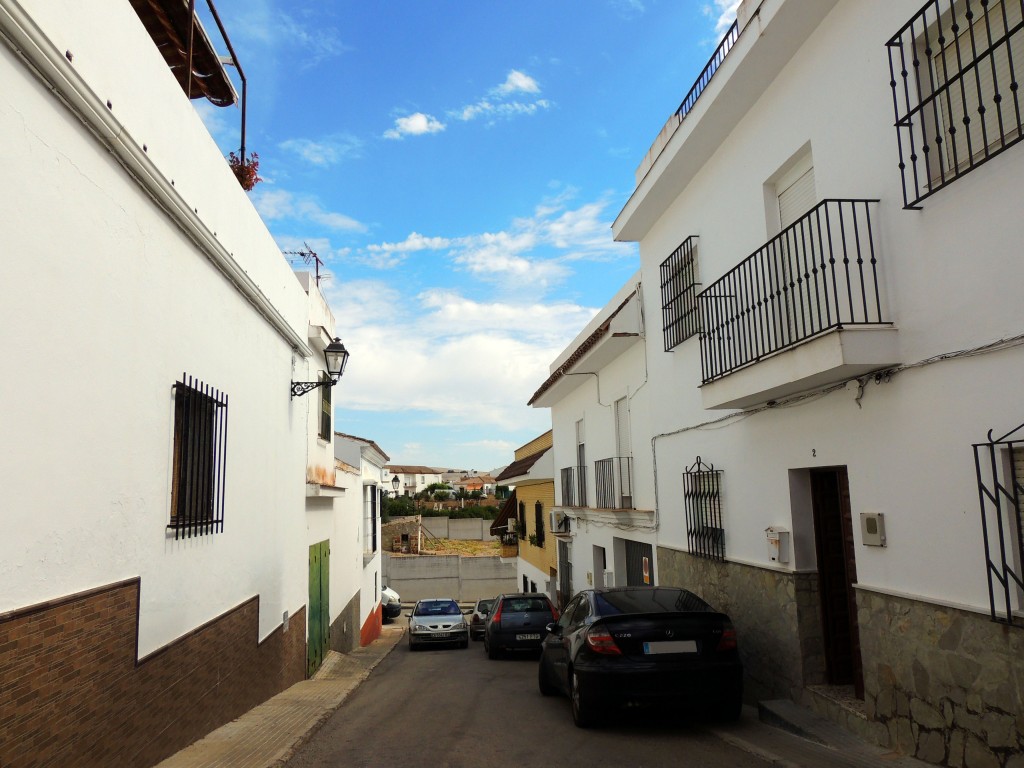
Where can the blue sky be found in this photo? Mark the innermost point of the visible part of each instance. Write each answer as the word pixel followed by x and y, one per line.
pixel 457 164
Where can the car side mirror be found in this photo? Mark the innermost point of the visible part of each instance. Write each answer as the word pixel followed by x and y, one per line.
pixel 554 628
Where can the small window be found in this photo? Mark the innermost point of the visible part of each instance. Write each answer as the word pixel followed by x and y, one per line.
pixel 702 493
pixel 325 406
pixel 200 440
pixel 538 521
pixel 522 520
pixel 679 289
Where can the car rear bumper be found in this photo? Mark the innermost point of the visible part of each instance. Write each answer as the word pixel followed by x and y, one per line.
pixel 619 683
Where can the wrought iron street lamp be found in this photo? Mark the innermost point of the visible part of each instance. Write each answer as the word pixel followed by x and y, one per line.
pixel 336 358
pixel 395 482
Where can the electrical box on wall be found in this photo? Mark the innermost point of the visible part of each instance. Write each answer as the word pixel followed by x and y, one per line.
pixel 778 543
pixel 872 529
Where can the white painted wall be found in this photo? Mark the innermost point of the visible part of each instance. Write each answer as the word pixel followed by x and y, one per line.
pixel 951 274
pixel 105 302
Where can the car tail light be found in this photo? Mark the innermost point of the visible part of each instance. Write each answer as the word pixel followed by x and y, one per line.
pixel 600 640
pixel 554 611
pixel 496 616
pixel 728 640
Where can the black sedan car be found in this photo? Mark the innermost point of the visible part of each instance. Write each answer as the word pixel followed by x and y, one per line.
pixel 630 646
pixel 517 623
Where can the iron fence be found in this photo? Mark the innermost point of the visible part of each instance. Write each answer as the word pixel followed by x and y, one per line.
pixel 702 495
pixel 955 90
pixel 818 274
pixel 613 480
pixel 574 486
pixel 709 70
pixel 999 464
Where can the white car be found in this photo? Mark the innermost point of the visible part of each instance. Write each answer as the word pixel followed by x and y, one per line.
pixel 390 602
pixel 437 620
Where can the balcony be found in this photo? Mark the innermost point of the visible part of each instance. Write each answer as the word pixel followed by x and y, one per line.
pixel 804 310
pixel 614 482
pixel 574 486
pixel 510 544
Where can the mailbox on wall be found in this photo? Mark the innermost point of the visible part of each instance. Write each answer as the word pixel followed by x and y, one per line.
pixel 778 543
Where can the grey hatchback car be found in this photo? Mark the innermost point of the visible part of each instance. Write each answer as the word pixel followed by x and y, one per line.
pixel 517 623
pixel 437 620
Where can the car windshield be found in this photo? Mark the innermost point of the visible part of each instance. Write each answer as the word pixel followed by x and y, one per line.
pixel 653 600
pixel 437 608
pixel 484 606
pixel 525 605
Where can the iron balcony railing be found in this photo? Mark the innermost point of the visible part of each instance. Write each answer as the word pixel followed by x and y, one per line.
pixel 818 274
pixel 574 486
pixel 953 69
pixel 709 70
pixel 613 479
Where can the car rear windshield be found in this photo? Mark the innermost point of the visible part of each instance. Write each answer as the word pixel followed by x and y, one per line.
pixel 484 605
pixel 526 605
pixel 653 600
pixel 437 608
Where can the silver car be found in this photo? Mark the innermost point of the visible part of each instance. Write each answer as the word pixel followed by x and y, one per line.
pixel 437 620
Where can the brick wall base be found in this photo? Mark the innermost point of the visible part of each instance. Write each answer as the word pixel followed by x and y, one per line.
pixel 72 692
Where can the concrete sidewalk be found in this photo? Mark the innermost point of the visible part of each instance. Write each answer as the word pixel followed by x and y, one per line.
pixel 269 734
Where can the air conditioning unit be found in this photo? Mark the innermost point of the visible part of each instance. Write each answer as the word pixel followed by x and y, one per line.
pixel 559 521
pixel 609 578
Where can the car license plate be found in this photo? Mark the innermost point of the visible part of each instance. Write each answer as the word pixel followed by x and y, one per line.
pixel 528 636
pixel 441 634
pixel 672 646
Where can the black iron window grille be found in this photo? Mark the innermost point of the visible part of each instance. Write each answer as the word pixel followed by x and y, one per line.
pixel 818 274
pixel 522 520
pixel 702 495
pixel 679 286
pixel 709 70
pixel 953 72
pixel 574 486
pixel 200 449
pixel 538 522
pixel 999 464
pixel 613 479
pixel 325 406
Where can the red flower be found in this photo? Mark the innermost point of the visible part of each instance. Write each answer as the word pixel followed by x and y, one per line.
pixel 245 170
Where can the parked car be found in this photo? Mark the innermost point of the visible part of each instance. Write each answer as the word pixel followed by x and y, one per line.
pixel 628 646
pixel 517 623
pixel 478 619
pixel 391 602
pixel 437 620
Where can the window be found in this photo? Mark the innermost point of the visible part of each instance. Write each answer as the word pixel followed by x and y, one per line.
pixel 325 406
pixel 702 494
pixel 538 521
pixel 679 289
pixel 522 520
pixel 954 78
pixel 200 440
pixel 370 497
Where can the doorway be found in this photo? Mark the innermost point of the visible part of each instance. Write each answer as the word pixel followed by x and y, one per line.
pixel 319 616
pixel 837 573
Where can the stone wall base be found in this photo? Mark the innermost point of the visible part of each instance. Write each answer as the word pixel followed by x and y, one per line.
pixel 345 629
pixel 942 684
pixel 72 692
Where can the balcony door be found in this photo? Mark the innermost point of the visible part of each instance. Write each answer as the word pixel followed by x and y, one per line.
pixel 802 283
pixel 581 464
pixel 623 452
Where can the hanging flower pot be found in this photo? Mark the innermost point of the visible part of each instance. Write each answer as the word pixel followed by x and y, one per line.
pixel 245 170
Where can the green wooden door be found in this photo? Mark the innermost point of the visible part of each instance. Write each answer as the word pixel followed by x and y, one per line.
pixel 319 606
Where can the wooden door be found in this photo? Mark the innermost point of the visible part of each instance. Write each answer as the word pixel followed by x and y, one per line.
pixel 318 611
pixel 837 573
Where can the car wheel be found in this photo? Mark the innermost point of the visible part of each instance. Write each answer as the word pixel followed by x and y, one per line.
pixel 412 645
pixel 582 707
pixel 543 681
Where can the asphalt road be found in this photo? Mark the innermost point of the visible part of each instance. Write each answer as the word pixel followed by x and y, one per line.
pixel 453 707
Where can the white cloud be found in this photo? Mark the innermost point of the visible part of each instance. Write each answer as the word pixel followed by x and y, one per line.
pixel 327 151
pixel 275 31
pixel 517 82
pixel 416 124
pixel 273 204
pixel 461 361
pixel 496 104
pixel 724 14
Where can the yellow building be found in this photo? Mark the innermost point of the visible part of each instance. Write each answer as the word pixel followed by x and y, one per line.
pixel 528 513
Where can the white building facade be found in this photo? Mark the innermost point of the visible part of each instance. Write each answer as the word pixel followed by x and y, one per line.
pixel 156 584
pixel 833 326
pixel 604 517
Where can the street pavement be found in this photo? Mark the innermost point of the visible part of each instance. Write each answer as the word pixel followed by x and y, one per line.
pixel 272 732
